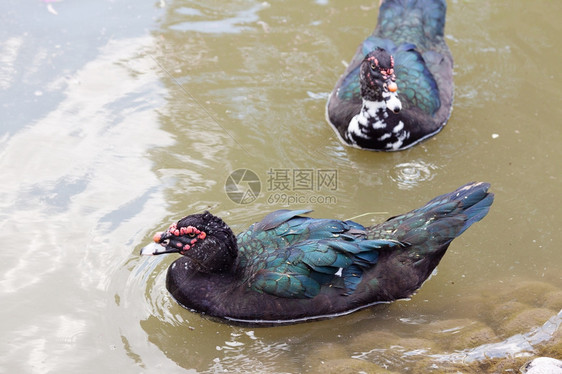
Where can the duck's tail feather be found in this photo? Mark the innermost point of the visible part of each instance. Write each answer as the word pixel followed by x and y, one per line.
pixel 441 220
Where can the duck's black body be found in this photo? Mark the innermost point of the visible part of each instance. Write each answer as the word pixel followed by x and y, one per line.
pixel 412 32
pixel 288 268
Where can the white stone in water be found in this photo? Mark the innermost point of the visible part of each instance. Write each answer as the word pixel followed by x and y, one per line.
pixel 543 365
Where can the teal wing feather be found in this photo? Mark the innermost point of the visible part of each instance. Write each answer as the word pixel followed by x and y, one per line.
pixel 301 270
pixel 439 221
pixel 417 86
pixel 274 219
pixel 298 256
pixel 420 22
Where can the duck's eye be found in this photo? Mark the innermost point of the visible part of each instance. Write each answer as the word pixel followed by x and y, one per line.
pixel 373 66
pixel 191 234
pixel 165 242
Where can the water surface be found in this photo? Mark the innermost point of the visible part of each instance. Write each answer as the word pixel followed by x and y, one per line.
pixel 120 117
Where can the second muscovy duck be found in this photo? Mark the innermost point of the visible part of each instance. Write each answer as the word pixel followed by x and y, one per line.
pixel 288 268
pixel 398 89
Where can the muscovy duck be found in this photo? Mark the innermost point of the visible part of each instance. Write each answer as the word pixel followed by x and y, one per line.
pixel 398 89
pixel 289 268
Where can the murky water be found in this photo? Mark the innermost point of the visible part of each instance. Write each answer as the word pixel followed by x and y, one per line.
pixel 119 117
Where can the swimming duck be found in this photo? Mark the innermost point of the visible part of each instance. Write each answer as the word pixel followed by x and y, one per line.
pixel 290 268
pixel 398 88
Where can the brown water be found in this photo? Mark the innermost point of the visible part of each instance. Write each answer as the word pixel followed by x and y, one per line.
pixel 120 117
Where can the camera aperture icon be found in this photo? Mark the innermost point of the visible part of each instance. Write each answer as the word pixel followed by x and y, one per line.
pixel 243 186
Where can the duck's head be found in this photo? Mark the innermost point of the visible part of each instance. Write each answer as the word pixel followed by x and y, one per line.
pixel 378 81
pixel 204 238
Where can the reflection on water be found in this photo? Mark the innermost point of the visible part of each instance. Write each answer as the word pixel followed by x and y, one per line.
pixel 117 126
pixel 234 24
pixel 78 170
pixel 8 54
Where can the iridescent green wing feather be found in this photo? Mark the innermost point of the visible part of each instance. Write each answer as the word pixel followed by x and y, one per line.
pixel 439 221
pixel 300 255
pixel 416 85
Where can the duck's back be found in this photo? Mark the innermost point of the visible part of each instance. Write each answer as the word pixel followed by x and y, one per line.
pixel 420 22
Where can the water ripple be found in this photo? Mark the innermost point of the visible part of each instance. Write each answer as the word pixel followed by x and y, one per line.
pixel 408 175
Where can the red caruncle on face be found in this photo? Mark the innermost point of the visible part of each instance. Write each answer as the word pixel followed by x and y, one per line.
pixel 190 232
pixel 185 237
